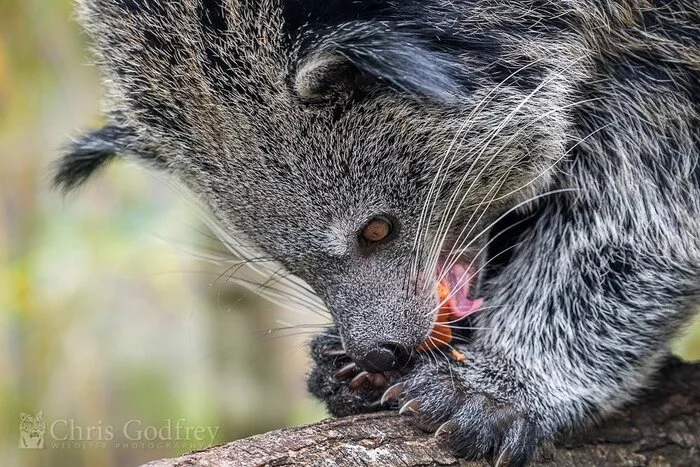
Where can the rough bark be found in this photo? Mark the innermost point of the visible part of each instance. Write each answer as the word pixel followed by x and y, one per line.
pixel 663 428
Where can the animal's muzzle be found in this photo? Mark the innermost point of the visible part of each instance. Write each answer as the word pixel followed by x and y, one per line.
pixel 384 357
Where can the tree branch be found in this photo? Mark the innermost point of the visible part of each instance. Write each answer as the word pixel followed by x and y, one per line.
pixel 662 429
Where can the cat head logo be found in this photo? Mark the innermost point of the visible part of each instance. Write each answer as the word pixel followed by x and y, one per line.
pixel 31 431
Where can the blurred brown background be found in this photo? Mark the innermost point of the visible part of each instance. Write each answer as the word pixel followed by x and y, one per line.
pixel 113 313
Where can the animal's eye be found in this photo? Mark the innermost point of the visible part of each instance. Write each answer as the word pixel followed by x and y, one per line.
pixel 377 229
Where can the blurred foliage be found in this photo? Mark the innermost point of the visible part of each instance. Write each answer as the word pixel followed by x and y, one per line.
pixel 104 317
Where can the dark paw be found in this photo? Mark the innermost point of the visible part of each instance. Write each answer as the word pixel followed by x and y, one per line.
pixel 338 382
pixel 469 422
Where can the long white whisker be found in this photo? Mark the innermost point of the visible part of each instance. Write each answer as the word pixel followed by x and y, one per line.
pixel 458 243
pixel 449 260
pixel 437 245
pixel 553 164
pixel 278 299
pixel 483 308
pixel 514 208
pixel 291 289
pixel 421 231
pixel 461 282
pixel 442 234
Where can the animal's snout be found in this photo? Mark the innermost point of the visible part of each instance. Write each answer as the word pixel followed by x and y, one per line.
pixel 384 357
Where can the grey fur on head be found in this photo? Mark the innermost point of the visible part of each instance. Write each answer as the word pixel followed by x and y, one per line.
pixel 550 149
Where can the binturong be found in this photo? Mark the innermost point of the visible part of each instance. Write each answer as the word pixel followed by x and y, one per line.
pixel 538 159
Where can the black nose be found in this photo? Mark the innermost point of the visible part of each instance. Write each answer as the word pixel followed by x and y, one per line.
pixel 386 357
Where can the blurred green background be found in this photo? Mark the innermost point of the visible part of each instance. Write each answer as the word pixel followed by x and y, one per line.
pixel 109 312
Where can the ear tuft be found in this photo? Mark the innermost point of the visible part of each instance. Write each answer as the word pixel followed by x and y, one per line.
pixel 318 74
pixel 356 53
pixel 323 74
pixel 87 154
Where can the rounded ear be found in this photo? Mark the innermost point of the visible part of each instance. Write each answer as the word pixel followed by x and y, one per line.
pixel 358 53
pixel 323 74
pixel 95 149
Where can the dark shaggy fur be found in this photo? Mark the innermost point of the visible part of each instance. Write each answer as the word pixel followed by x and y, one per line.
pixel 554 143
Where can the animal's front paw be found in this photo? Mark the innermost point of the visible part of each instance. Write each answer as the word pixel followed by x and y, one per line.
pixel 471 421
pixel 338 382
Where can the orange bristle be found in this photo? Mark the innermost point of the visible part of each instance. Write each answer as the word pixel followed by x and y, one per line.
pixel 441 334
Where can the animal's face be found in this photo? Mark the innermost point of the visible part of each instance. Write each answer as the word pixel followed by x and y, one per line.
pixel 366 146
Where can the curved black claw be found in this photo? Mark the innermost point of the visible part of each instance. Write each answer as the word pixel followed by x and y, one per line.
pixel 447 428
pixel 410 407
pixel 393 393
pixel 336 380
pixel 470 423
pixel 334 352
pixel 347 371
